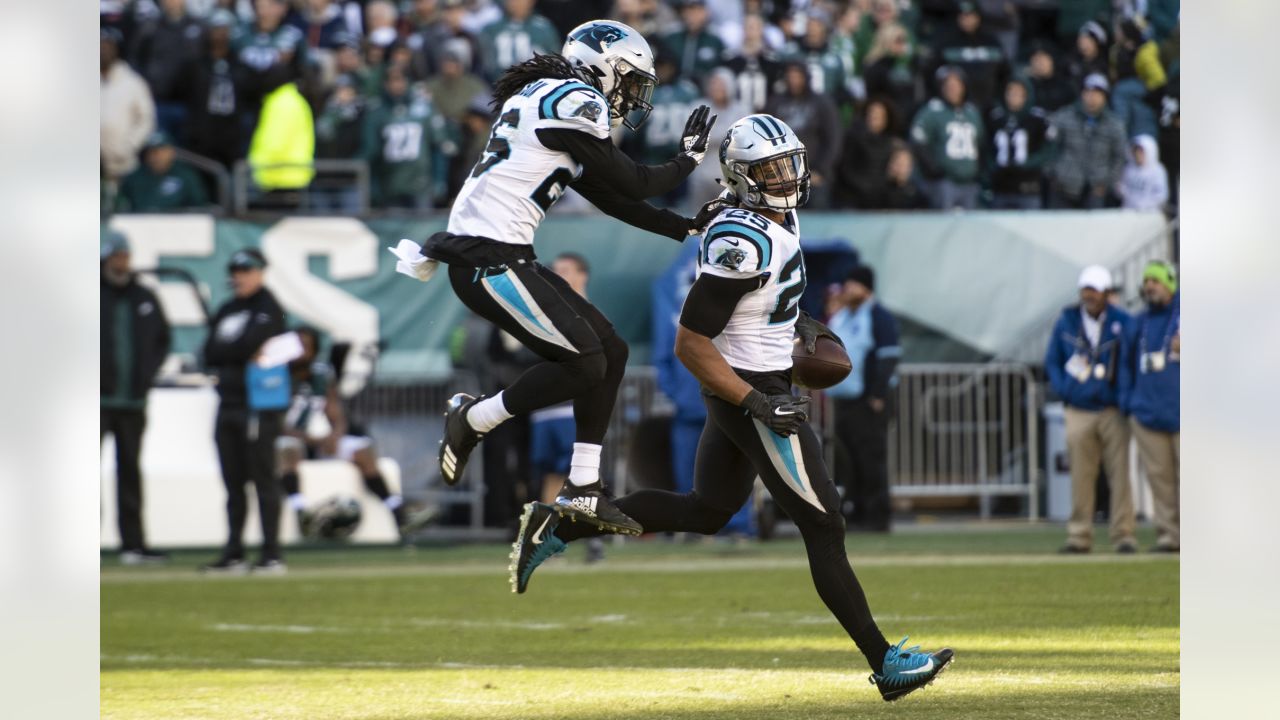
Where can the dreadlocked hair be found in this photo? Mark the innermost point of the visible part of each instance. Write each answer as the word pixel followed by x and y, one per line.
pixel 552 66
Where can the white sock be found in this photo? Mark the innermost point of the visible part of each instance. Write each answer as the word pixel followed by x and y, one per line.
pixel 488 414
pixel 297 502
pixel 584 468
pixel 393 501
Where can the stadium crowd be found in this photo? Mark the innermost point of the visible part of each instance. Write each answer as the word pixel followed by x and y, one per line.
pixel 904 104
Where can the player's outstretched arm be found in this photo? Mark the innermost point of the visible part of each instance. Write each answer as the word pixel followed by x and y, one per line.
pixel 636 213
pixel 603 163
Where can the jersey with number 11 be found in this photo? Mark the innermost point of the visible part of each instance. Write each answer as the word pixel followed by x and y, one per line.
pixel 517 179
pixel 741 244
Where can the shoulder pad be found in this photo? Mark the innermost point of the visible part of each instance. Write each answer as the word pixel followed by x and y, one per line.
pixel 579 105
pixel 733 248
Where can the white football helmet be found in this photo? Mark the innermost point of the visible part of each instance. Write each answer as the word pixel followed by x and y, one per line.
pixel 765 164
pixel 620 58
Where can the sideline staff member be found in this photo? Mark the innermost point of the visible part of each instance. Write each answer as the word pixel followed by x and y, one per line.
pixel 135 341
pixel 246 438
pixel 1083 362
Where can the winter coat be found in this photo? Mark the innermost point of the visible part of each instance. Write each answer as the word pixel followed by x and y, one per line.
pixel 1068 339
pixel 128 116
pixel 1152 396
pixel 135 341
pixel 1146 186
pixel 1092 151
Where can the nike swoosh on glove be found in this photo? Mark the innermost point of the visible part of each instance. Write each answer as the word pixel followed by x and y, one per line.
pixel 693 142
pixel 783 414
pixel 410 261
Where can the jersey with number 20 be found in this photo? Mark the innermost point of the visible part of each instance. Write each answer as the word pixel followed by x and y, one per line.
pixel 517 179
pixel 742 244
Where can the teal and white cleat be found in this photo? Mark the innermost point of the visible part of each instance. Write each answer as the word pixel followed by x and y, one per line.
pixel 908 670
pixel 535 543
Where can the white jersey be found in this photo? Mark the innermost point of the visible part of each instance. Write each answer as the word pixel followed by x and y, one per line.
pixel 740 243
pixel 517 179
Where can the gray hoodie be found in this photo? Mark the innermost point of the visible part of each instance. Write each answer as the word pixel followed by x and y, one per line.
pixel 1145 186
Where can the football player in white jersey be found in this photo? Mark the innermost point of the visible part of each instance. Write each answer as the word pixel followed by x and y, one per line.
pixel 555 114
pixel 737 330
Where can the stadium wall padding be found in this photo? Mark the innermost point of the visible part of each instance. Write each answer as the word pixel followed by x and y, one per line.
pixel 984 278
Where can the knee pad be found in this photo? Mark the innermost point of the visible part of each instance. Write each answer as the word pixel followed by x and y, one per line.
pixel 590 369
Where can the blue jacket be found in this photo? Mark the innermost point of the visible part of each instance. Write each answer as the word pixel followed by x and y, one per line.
pixel 674 379
pixel 1152 397
pixel 870 336
pixel 1068 339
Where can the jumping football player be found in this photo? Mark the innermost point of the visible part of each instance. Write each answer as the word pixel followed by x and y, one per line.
pixel 736 334
pixel 555 114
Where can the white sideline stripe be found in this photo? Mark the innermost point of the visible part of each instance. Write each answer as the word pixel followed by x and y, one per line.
pixel 293 629
pixel 707 565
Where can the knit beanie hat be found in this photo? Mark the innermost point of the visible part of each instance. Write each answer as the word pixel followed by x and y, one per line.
pixel 1163 273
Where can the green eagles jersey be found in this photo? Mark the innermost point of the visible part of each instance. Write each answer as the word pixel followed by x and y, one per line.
pixel 260 50
pixel 672 103
pixel 507 42
pixel 695 55
pixel 950 137
pixel 400 137
pixel 144 191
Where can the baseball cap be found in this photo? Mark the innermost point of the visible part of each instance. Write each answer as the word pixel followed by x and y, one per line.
pixel 1094 30
pixel 1097 81
pixel 967 6
pixel 863 275
pixel 222 18
pixel 159 138
pixel 115 242
pixel 112 35
pixel 1095 277
pixel 248 258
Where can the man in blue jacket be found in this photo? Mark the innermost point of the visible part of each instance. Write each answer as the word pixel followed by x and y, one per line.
pixel 864 400
pixel 1153 371
pixel 1084 362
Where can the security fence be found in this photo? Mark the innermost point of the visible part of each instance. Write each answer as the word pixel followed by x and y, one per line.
pixel 961 430
pixel 967 430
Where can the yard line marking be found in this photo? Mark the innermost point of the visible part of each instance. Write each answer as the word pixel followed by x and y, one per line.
pixel 631 567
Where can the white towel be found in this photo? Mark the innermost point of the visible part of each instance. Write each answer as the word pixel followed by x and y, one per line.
pixel 411 261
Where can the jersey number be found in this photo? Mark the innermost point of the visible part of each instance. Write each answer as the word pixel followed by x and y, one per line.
pixel 961 143
pixel 499 148
pixel 402 142
pixel 1018 139
pixel 552 188
pixel 789 297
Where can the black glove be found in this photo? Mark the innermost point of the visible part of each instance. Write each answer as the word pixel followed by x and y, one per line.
pixel 710 210
pixel 783 414
pixel 693 142
pixel 809 330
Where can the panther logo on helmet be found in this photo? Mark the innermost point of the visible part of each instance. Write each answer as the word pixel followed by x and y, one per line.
pixel 598 37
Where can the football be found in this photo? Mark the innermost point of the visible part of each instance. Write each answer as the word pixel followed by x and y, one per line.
pixel 827 366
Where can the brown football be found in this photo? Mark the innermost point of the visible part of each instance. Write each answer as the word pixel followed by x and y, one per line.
pixel 827 366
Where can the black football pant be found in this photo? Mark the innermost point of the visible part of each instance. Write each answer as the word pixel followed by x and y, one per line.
pixel 863 465
pixel 127 426
pixel 584 358
pixel 246 450
pixel 734 449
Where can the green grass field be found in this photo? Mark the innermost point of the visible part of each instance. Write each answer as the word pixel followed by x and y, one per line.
pixel 660 630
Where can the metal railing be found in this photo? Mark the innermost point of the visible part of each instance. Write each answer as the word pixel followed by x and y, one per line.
pixel 209 166
pixel 339 187
pixel 967 430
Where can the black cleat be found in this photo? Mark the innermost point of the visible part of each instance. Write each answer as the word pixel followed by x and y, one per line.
pixel 459 439
pixel 536 543
pixel 592 505
pixel 226 565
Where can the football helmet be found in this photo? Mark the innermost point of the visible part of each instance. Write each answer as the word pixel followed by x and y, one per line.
pixel 621 60
pixel 764 164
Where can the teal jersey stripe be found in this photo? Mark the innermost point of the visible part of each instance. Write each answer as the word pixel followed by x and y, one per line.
pixel 547 109
pixel 736 229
